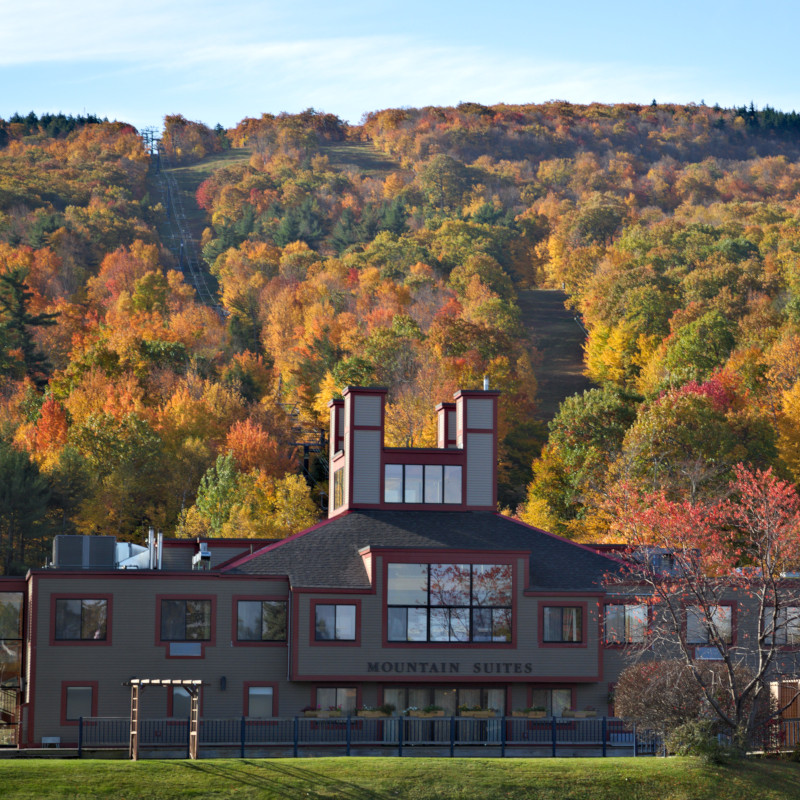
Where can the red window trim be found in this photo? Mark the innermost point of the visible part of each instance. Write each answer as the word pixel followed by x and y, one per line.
pixel 314 642
pixel 540 687
pixel 93 685
pixel 335 685
pixel 247 685
pixel 584 606
pixel 165 643
pixel 500 557
pixel 109 598
pixel 235 620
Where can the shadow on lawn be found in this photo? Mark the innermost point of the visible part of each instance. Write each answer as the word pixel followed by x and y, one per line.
pixel 758 772
pixel 286 781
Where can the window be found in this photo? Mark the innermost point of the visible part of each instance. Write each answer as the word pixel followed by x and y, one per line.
pixel 449 602
pixel 413 484
pixel 434 485
pixel 787 626
pixel 335 623
pixel 10 643
pixel 452 484
pixel 181 702
pixel 554 701
pixel 79 702
pixel 261 621
pixel 10 615
pixel 338 488
pixel 417 483
pixel 345 699
pixel 563 624
pixel 185 620
pixel 81 620
pixel 625 623
pixel 259 701
pixel 700 629
pixel 447 698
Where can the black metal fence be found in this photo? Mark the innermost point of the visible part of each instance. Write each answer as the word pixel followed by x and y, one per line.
pixel 606 735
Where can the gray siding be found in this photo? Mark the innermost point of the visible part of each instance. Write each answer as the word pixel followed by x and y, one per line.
pixel 135 653
pixel 538 664
pixel 480 413
pixel 367 410
pixel 480 468
pixel 179 559
pixel 366 460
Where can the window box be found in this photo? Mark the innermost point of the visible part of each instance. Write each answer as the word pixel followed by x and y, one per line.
pixel 372 714
pixel 484 713
pixel 322 713
pixel 529 714
pixel 573 714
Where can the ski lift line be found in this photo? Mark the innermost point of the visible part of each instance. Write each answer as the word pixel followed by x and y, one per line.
pixel 181 239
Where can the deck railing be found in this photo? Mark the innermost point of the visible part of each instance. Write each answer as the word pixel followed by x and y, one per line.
pixel 395 733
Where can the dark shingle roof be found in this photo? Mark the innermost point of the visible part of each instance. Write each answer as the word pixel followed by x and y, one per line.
pixel 328 554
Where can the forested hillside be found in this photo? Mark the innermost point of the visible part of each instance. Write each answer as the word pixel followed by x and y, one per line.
pixel 391 253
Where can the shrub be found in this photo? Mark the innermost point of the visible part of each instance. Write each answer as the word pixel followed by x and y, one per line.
pixel 699 738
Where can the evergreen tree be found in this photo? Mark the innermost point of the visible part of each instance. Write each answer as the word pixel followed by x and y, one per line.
pixel 19 355
pixel 24 494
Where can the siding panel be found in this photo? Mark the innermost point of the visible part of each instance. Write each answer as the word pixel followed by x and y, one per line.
pixel 366 466
pixel 367 410
pixel 480 469
pixel 480 413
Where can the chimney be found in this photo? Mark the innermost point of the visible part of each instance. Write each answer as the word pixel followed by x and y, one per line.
pixel 476 434
pixel 356 448
pixel 446 419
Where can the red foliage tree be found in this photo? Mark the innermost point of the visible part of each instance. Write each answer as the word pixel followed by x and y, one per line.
pixel 254 448
pixel 720 578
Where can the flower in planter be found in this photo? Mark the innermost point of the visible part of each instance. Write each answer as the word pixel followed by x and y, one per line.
pixel 431 709
pixel 310 708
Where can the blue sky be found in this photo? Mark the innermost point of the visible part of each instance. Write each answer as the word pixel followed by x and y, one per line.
pixel 218 62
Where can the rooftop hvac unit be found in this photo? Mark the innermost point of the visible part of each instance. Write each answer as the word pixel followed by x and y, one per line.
pixel 84 552
pixel 202 559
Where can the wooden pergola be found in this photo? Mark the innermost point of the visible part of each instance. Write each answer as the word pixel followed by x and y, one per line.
pixel 193 689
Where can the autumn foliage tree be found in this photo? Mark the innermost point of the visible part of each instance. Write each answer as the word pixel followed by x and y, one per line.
pixel 693 563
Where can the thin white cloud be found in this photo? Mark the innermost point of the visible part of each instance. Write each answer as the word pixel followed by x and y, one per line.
pixel 395 66
pixel 46 31
pixel 191 49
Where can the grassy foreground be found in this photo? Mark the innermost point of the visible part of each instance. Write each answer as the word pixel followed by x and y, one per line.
pixel 412 778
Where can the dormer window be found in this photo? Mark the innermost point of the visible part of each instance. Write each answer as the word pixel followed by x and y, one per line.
pixel 418 484
pixel 449 602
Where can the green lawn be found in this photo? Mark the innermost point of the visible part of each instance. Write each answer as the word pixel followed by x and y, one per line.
pixel 412 778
